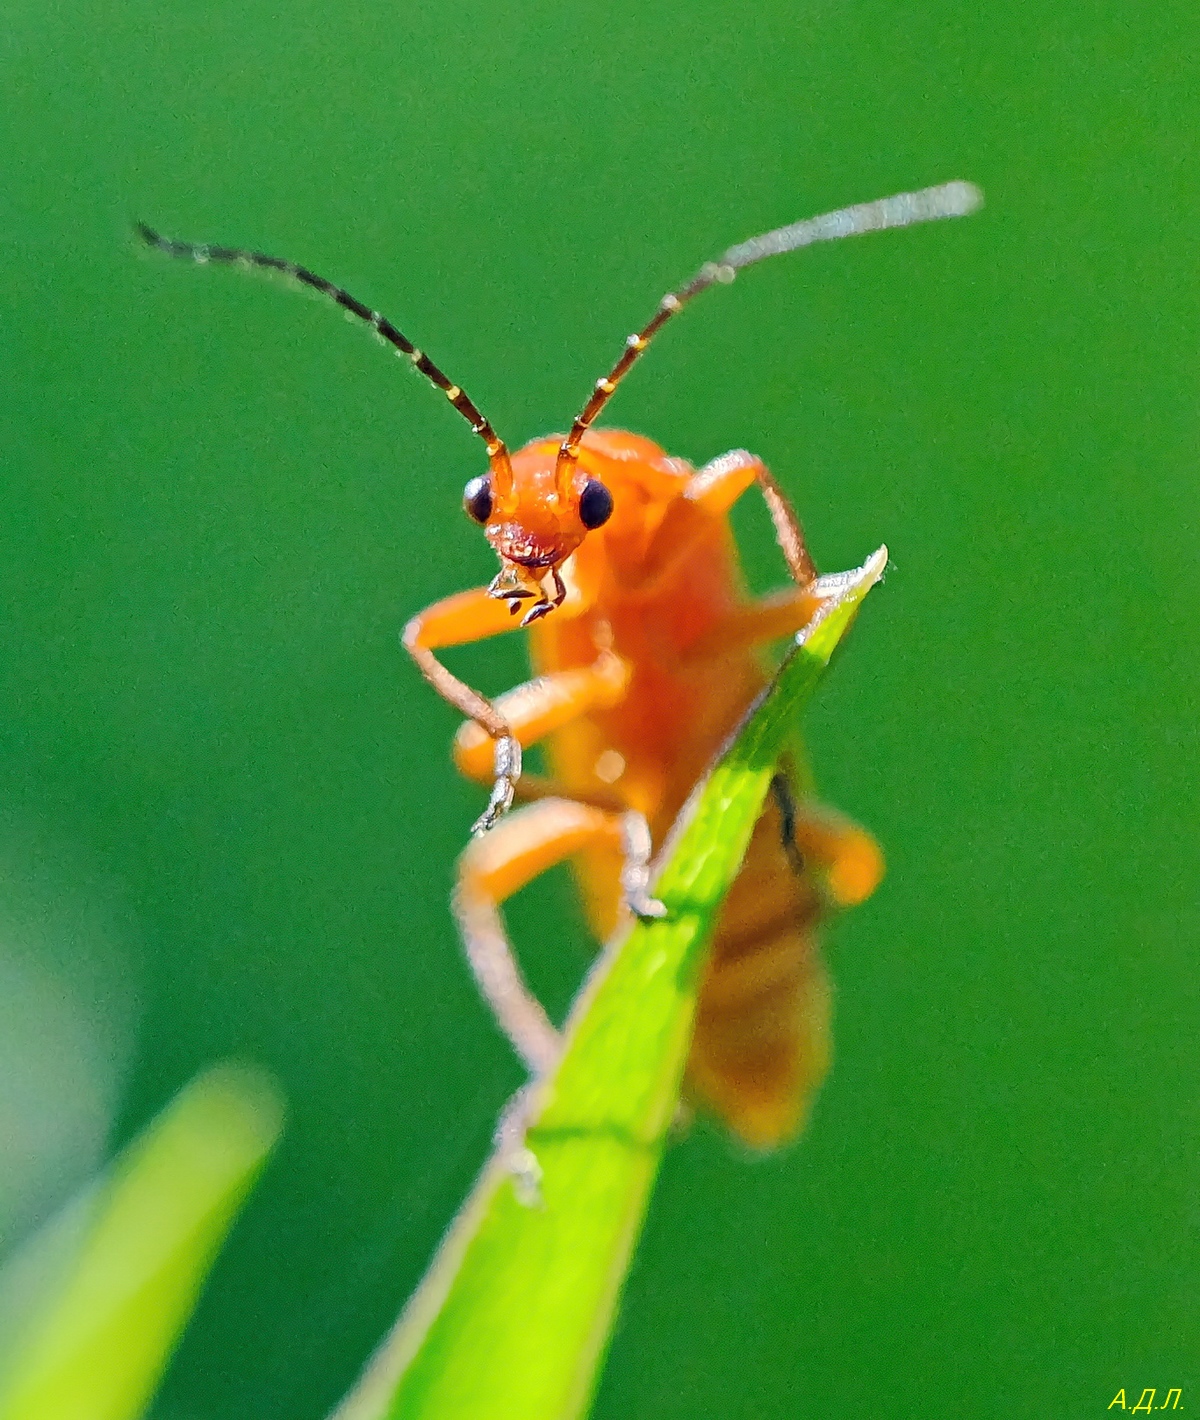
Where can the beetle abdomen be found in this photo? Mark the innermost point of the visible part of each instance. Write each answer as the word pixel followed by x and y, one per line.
pixel 761 1045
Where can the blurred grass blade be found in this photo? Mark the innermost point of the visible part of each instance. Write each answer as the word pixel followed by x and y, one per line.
pixel 105 1288
pixel 513 1316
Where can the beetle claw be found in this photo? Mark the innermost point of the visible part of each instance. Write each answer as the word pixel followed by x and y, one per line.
pixel 513 1148
pixel 535 612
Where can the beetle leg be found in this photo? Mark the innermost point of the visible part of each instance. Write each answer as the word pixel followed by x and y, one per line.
pixel 475 616
pixel 711 492
pixel 506 771
pixel 775 616
pixel 468 616
pixel 533 787
pixel 539 707
pixel 718 485
pixel 785 802
pixel 492 869
pixel 850 859
pixel 513 1148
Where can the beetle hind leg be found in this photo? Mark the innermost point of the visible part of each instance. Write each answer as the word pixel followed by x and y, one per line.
pixel 490 870
pixel 785 802
pixel 811 834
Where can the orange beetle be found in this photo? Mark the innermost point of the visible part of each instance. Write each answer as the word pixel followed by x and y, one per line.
pixel 646 650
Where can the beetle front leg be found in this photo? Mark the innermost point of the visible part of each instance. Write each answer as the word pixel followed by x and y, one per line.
pixel 469 616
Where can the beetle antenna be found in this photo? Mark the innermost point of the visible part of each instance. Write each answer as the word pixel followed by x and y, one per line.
pixel 201 253
pixel 951 199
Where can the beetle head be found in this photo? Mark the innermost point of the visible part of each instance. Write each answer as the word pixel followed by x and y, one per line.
pixel 534 525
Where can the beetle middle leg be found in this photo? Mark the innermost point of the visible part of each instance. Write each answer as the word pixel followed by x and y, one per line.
pixel 539 707
pixel 719 484
pixel 710 494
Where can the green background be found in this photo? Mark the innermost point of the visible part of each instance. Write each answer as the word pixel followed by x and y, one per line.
pixel 227 816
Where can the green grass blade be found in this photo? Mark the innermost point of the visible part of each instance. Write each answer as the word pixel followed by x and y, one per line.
pixel 107 1287
pixel 513 1316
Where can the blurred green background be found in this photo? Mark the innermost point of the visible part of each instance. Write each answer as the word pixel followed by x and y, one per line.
pixel 227 816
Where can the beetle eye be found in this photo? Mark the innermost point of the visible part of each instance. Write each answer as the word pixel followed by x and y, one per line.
pixel 595 504
pixel 477 498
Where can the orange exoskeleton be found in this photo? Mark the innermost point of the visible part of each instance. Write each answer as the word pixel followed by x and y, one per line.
pixel 646 653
